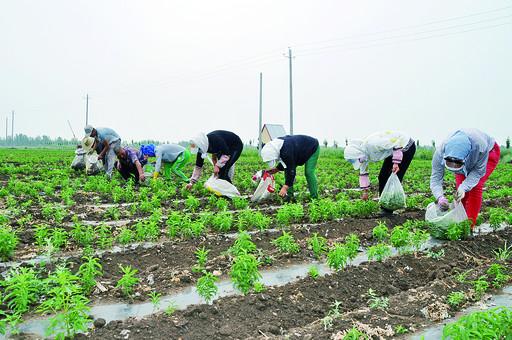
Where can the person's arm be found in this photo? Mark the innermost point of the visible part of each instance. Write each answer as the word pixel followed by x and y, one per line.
pixel 142 177
pixel 476 173
pixel 105 149
pixel 436 178
pixel 364 177
pixel 398 155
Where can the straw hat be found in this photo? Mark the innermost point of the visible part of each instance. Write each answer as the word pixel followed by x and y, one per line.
pixel 88 143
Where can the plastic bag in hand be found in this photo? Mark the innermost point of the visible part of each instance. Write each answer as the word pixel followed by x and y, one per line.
pixel 79 160
pixel 455 214
pixel 393 195
pixel 265 187
pixel 221 187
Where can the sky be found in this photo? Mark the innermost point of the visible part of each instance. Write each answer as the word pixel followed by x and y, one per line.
pixel 166 69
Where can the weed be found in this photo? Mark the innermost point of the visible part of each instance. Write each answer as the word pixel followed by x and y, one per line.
pixel 377 302
pixel 436 255
pixel 332 314
pixel 354 334
pixel 498 272
pixel 480 286
pixel 399 329
pixel 455 298
pixel 461 277
pixel 258 287
pixel 503 254
pixel 171 308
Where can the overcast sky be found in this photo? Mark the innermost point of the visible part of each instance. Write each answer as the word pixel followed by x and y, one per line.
pixel 168 69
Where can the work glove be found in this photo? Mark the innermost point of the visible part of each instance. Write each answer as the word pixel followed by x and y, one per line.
pixel 459 194
pixel 443 203
pixel 155 175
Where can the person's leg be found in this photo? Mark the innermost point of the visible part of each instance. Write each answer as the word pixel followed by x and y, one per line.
pixel 110 158
pixel 310 172
pixel 385 172
pixel 224 172
pixel 472 201
pixel 166 170
pixel 406 161
pixel 180 163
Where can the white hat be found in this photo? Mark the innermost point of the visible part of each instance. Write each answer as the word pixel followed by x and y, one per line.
pixel 88 143
pixel 88 129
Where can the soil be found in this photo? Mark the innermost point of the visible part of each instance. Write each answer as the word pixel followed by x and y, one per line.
pixel 295 310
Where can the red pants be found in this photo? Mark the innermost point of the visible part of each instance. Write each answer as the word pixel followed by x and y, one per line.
pixel 472 201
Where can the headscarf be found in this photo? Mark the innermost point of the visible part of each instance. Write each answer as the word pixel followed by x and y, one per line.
pixel 458 146
pixel 148 150
pixel 271 152
pixel 201 141
pixel 355 153
pixel 88 129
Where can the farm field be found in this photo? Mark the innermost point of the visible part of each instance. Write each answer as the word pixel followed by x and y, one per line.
pixel 330 268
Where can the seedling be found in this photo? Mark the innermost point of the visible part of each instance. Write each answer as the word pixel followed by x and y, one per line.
pixel 436 255
pixel 400 239
pixel 222 221
pixel 244 272
pixel 503 254
pixel 332 314
pixel 380 232
pixel 88 271
pixel 355 334
pixel 243 244
pixel 337 258
pixel 206 287
pixel 21 289
pixel 155 299
pixel 352 243
pixel 455 298
pixel 377 302
pixel 318 245
pixel 171 308
pixel 128 280
pixel 259 287
pixel 490 324
pixel 201 257
pixel 461 277
pixel 8 242
pixel 399 329
pixel 313 272
pixel 480 286
pixel 286 243
pixel 379 252
pixel 126 236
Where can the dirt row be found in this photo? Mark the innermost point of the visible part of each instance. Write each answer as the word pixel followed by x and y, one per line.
pixel 415 285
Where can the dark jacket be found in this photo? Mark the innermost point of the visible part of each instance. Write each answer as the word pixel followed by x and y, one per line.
pixel 296 151
pixel 220 143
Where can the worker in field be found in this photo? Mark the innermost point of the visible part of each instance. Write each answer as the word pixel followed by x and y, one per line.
pixel 130 163
pixel 395 148
pixel 104 140
pixel 225 148
pixel 286 154
pixel 173 157
pixel 472 156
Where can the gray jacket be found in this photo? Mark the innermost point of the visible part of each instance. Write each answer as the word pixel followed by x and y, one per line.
pixel 475 164
pixel 167 153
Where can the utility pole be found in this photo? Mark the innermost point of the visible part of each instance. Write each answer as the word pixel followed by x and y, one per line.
pixel 6 129
pixel 12 127
pixel 291 89
pixel 261 110
pixel 87 109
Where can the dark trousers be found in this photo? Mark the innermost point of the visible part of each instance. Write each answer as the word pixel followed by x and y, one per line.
pixel 224 171
pixel 387 167
pixel 128 170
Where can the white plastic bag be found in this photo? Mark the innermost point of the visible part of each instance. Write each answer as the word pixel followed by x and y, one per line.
pixel 455 214
pixel 79 160
pixel 221 187
pixel 265 187
pixel 92 164
pixel 393 195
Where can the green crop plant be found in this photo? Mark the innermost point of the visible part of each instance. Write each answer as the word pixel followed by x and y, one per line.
pixel 73 319
pixel 419 238
pixel 352 244
pixel 497 216
pixel 318 245
pixel 171 308
pixel 155 299
pixel 128 280
pixel 462 277
pixel 201 258
pixel 258 287
pixel 380 232
pixel 480 286
pixel 250 218
pixel 363 208
pixel 499 274
pixel 197 228
pixel 322 210
pixel 503 254
pixel 147 230
pixel 126 236
pixel 206 287
pixel 379 252
pixel 455 299
pixel 377 302
pixel 286 243
pixel 400 239
pixel 59 238
pixel 41 234
pixel 112 213
pixel 8 242
pixel 240 203
pixel 355 334
pixel 494 323
pixel 222 221
pixel 21 289
pixel 88 271
pixel 192 203
pixel 104 238
pixel 313 272
pixel 337 257
pixel 289 213
pixel 244 272
pixel 436 255
pixel 242 245
pixel 399 329
pixel 221 204
pixel 82 234
pixel 332 314
pixel 174 222
pixel 457 231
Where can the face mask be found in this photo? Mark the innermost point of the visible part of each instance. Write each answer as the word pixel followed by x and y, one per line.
pixel 272 163
pixel 457 169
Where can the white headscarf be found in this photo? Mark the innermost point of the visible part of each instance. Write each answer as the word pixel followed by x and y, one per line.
pixel 202 143
pixel 355 152
pixel 271 152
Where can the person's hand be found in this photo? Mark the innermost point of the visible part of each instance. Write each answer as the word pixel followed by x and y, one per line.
pixel 396 168
pixel 101 156
pixel 189 186
pixel 216 170
pixel 142 177
pixel 443 203
pixel 364 195
pixel 284 191
pixel 155 175
pixel 459 194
